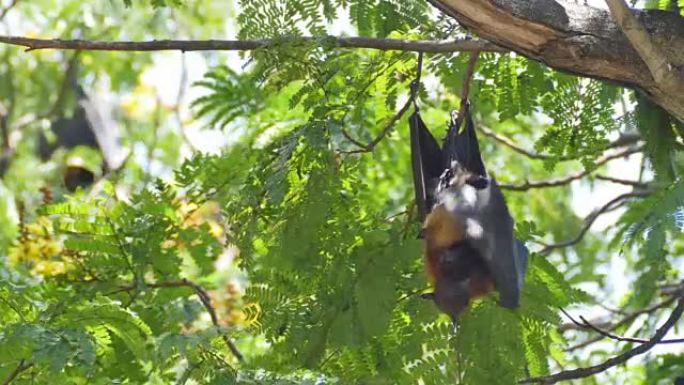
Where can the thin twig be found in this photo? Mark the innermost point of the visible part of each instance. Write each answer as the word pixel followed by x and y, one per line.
pixel 358 95
pixel 467 76
pixel 585 324
pixel 182 86
pixel 57 106
pixel 572 177
pixel 447 46
pixel 622 141
pixel 206 302
pixel 389 126
pixel 511 144
pixel 590 219
pixel 5 10
pixel 8 149
pixel 415 84
pixel 359 144
pixel 20 368
pixel 616 337
pixel 614 361
pixel 633 183
pixel 629 318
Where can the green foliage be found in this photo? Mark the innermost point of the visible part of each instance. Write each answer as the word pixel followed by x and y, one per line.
pixel 665 369
pixel 651 223
pixel 273 18
pixel 325 269
pixel 103 311
pixel 659 127
pixel 582 116
pixel 225 85
pixel 158 3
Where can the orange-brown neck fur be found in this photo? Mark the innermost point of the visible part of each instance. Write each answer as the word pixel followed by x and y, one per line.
pixel 441 231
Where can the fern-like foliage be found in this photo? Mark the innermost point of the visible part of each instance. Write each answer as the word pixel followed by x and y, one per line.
pixel 582 118
pixel 112 322
pixel 326 238
pixel 272 18
pixel 651 224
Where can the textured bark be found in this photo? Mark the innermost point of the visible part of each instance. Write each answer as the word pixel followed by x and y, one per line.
pixel 579 39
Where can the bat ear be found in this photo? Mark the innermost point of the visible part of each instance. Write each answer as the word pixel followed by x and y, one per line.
pixel 478 181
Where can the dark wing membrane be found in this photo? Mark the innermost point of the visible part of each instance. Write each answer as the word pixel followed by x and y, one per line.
pixel 427 162
pixel 463 146
pixel 506 256
pixel 521 256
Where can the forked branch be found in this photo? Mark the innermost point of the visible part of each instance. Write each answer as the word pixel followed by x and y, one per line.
pixel 614 361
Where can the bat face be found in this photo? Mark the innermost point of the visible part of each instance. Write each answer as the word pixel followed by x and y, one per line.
pixel 468 231
pixel 452 297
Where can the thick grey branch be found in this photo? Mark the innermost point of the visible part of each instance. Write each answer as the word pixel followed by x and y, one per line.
pixel 664 73
pixel 579 39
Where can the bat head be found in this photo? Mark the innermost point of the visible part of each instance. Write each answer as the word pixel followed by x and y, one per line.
pixel 450 296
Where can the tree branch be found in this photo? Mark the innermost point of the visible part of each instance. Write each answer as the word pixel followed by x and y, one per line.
pixel 623 140
pixel 446 46
pixel 590 219
pixel 508 142
pixel 633 183
pixel 415 84
pixel 5 10
pixel 467 76
pixel 20 368
pixel 629 318
pixel 616 337
pixel 663 72
pixel 572 177
pixel 574 37
pixel 585 324
pixel 614 361
pixel 206 301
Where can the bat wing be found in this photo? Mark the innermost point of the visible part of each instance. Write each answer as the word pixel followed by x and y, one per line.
pixel 463 146
pixel 490 230
pixel 427 162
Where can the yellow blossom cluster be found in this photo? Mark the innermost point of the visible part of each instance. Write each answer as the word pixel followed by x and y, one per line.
pixel 40 250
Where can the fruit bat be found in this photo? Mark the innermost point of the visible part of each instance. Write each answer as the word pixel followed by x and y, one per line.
pixel 90 125
pixel 470 249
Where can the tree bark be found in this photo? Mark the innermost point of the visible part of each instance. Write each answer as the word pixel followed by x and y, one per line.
pixel 583 40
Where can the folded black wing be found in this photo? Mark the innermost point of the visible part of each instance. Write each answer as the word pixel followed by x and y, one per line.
pixel 462 146
pixel 427 162
pixel 493 239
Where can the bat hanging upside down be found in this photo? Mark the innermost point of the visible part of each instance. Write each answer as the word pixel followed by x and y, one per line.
pixel 468 232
